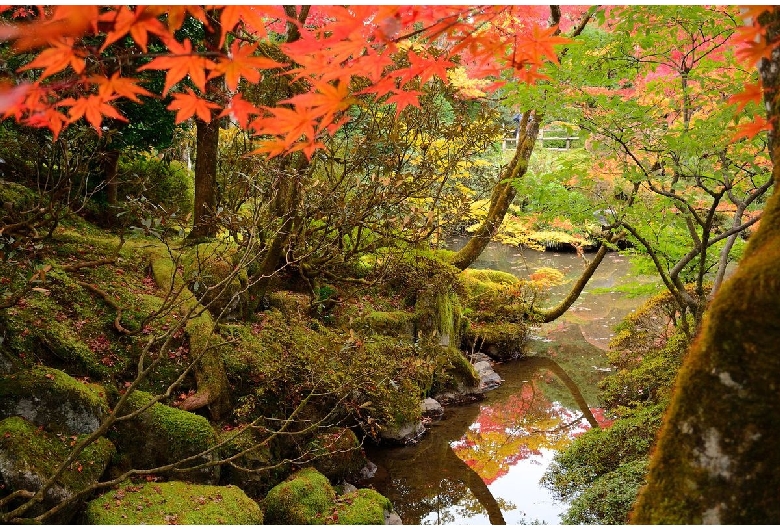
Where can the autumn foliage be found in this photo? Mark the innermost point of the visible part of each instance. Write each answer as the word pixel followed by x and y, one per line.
pixel 84 59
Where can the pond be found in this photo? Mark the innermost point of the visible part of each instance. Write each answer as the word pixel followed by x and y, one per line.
pixel 482 462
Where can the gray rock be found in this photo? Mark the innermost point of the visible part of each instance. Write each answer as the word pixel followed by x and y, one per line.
pixel 392 518
pixel 488 378
pixel 431 408
pixel 405 434
pixel 368 471
pixel 52 399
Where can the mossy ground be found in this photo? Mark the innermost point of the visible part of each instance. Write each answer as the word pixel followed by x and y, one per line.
pixel 173 503
pixel 305 498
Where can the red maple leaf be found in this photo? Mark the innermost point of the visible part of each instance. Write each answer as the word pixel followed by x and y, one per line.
pixel 92 108
pixel 241 110
pixel 117 86
pixel 138 23
pixel 190 104
pixel 403 98
pixel 242 63
pixel 55 59
pixel 181 62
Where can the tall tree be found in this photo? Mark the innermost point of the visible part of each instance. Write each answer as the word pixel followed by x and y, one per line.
pixel 716 461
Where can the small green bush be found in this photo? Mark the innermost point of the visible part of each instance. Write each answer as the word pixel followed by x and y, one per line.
pixel 169 185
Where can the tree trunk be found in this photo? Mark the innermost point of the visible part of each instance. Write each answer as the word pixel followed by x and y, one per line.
pixel 716 460
pixel 110 162
pixel 503 193
pixel 206 152
pixel 207 148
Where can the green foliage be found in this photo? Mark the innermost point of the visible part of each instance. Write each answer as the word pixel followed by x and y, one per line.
pixel 600 451
pixel 306 497
pixel 610 497
pixel 173 503
pixel 337 454
pixel 164 184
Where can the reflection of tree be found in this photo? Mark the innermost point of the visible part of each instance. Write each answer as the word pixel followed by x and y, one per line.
pixel 425 481
pixel 429 478
pixel 519 427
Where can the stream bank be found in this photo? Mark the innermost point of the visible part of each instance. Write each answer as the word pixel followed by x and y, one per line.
pixel 481 462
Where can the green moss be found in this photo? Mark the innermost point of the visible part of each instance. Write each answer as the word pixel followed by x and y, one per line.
pixel 209 270
pixel 162 435
pixel 397 323
pixel 364 506
pixel 31 455
pixel 173 503
pixel 305 498
pixel 499 340
pixel 53 399
pixel 337 454
pixel 453 372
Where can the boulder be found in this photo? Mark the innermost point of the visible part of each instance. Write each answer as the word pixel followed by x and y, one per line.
pixel 163 435
pixel 173 503
pixel 488 378
pixel 431 409
pixel 405 434
pixel 337 454
pixel 364 506
pixel 306 497
pixel 29 456
pixel 52 399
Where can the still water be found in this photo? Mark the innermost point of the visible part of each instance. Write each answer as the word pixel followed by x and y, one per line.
pixel 482 463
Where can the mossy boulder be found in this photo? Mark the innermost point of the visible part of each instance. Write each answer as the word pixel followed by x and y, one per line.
pixel 163 435
pixel 501 340
pixel 305 498
pixel 337 453
pixel 51 398
pixel 173 503
pixel 364 506
pixel 257 469
pixel 29 456
pixel 393 323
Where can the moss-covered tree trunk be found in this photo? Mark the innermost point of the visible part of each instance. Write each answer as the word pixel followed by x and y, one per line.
pixel 717 460
pixel 503 193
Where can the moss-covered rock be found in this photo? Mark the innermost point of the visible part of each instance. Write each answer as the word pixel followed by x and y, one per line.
pixel 257 469
pixel 337 454
pixel 173 503
pixel 53 399
pixel 163 435
pixel 500 340
pixel 395 323
pixel 305 498
pixel 29 456
pixel 364 506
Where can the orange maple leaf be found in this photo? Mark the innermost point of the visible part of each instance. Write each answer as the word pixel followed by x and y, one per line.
pixel 539 44
pixel 48 118
pixel 242 63
pixel 252 16
pixel 290 123
pixel 117 86
pixel 753 93
pixel 92 108
pixel 240 109
pixel 11 98
pixel 180 62
pixel 751 129
pixel 67 21
pixel 138 23
pixel 404 98
pixel 190 104
pixel 55 59
pixel 177 13
pixel 324 100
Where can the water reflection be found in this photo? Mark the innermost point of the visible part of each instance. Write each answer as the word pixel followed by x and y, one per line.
pixel 465 471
